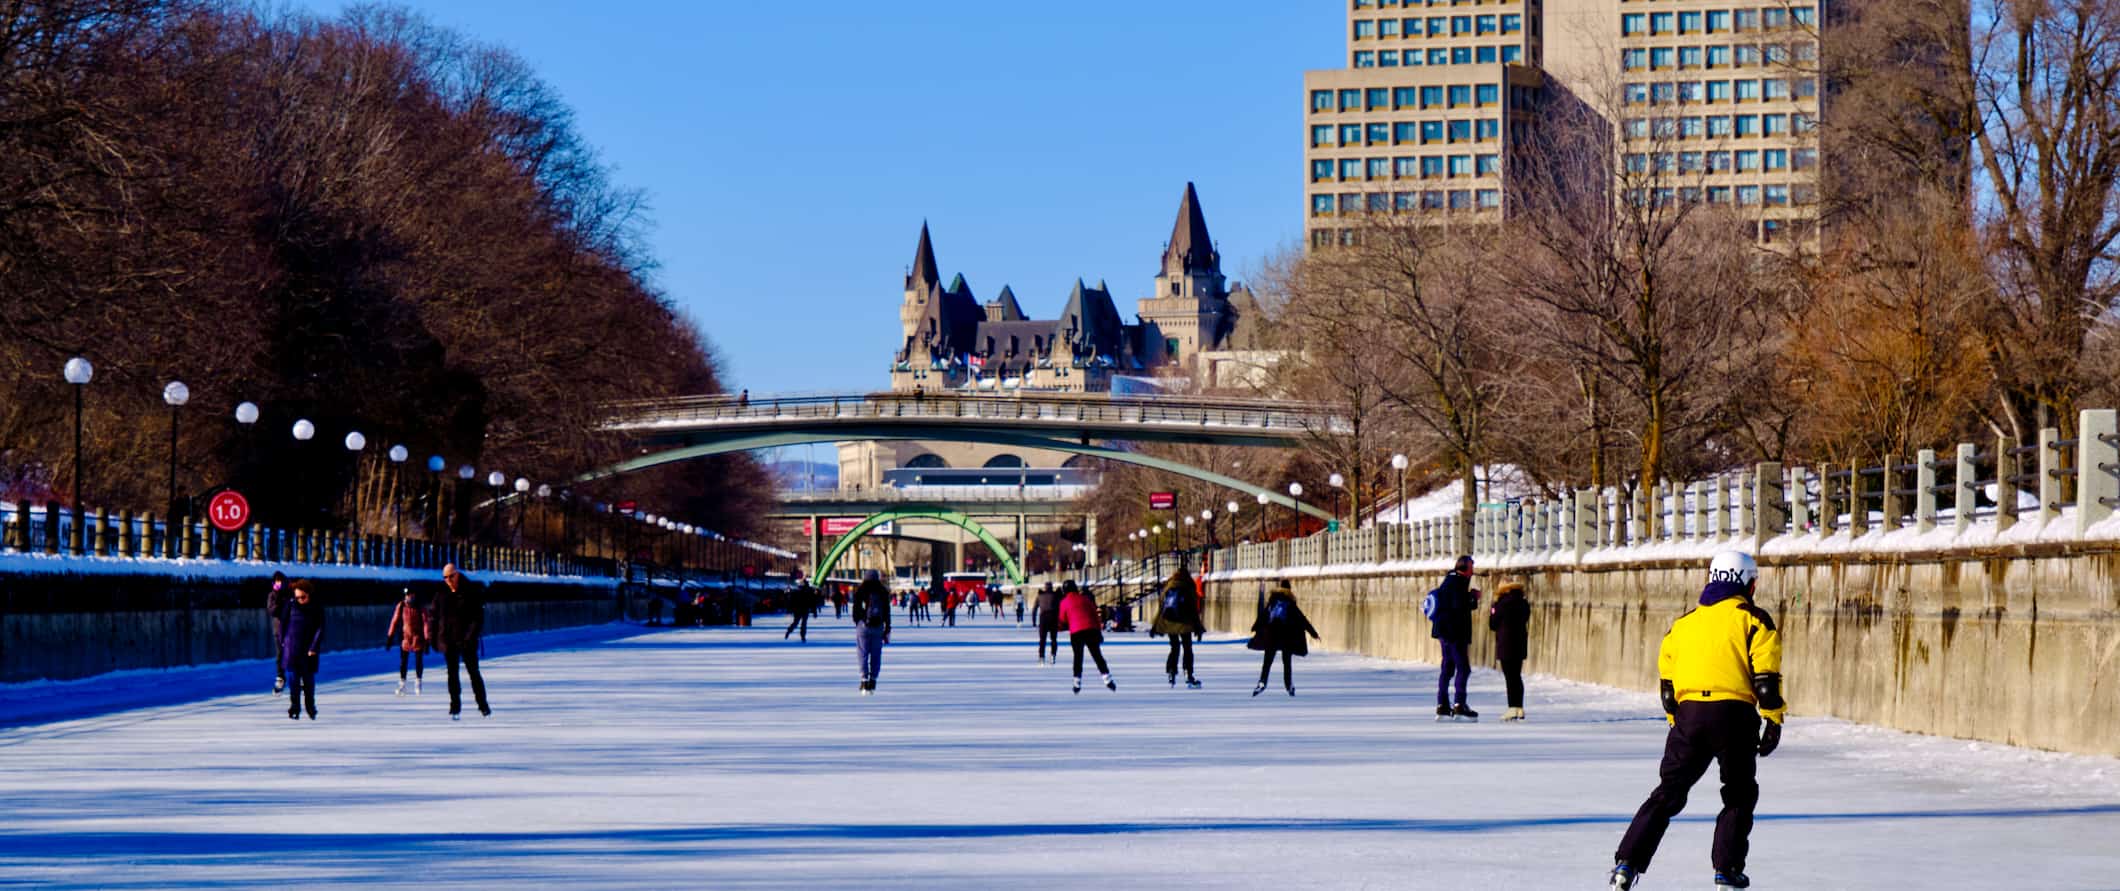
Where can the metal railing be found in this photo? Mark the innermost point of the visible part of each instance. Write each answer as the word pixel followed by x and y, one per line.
pixel 1268 416
pixel 1968 496
pixel 998 494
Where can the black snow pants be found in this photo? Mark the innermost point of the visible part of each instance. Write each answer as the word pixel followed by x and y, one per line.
pixel 1179 642
pixel 1704 733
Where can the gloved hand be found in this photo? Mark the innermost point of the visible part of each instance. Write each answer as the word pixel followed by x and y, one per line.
pixel 1769 738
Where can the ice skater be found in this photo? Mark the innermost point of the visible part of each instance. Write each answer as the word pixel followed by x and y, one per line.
pixel 1510 620
pixel 1048 619
pixel 460 620
pixel 1720 674
pixel 1179 619
pixel 409 622
pixel 302 621
pixel 872 628
pixel 1281 628
pixel 1079 613
pixel 275 599
pixel 801 603
pixel 1449 609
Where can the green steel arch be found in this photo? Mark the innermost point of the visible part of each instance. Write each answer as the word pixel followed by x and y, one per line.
pixel 840 547
pixel 754 441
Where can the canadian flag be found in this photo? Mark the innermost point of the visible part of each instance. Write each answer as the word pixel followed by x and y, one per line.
pixel 978 362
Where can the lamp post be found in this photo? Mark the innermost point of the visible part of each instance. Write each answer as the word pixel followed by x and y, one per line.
pixel 464 475
pixel 398 454
pixel 1398 463
pixel 355 442
pixel 247 418
pixel 175 394
pixel 1232 505
pixel 78 372
pixel 1264 500
pixel 435 466
pixel 522 488
pixel 495 481
pixel 1207 521
pixel 1338 483
pixel 1184 536
pixel 1295 518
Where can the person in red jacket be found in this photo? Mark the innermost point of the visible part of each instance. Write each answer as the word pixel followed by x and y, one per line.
pixel 409 622
pixel 1079 613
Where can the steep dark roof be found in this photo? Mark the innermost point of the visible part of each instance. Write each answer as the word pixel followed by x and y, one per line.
pixel 925 271
pixel 1004 308
pixel 1091 323
pixel 1189 240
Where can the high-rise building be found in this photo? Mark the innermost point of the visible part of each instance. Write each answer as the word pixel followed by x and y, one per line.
pixel 1433 97
pixel 1720 96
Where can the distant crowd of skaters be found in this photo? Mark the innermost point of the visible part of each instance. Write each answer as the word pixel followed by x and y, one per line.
pixel 452 620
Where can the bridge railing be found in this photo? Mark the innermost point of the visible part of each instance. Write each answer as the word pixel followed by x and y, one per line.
pixel 1055 408
pixel 996 494
pixel 1970 498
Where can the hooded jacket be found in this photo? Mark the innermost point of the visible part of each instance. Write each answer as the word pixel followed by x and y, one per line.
pixel 1185 619
pixel 1510 620
pixel 1290 634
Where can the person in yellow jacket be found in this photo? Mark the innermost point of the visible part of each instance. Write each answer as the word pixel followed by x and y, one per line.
pixel 1721 677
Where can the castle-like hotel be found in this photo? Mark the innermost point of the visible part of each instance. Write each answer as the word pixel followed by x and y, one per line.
pixel 1195 327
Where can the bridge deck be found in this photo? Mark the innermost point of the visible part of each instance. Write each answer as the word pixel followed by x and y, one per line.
pixel 728 759
pixel 1103 417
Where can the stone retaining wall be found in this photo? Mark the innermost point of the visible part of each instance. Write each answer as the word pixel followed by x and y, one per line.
pixel 2013 648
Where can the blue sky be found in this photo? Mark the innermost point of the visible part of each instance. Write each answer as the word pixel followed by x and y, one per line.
pixel 790 151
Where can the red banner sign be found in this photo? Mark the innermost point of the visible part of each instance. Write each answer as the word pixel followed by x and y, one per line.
pixel 1162 500
pixel 834 526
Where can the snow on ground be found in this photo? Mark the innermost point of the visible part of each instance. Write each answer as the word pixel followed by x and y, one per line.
pixel 727 758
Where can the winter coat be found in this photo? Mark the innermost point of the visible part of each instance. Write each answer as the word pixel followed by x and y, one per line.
pixel 1510 620
pixel 412 621
pixel 1289 635
pixel 276 600
pixel 459 616
pixel 1078 613
pixel 1049 610
pixel 1454 602
pixel 802 601
pixel 1185 618
pixel 872 593
pixel 301 632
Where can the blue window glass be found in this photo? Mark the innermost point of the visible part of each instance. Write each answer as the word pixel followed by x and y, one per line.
pixel 1365 60
pixel 1512 24
pixel 1689 23
pixel 1438 26
pixel 1460 94
pixel 1485 55
pixel 1460 165
pixel 1405 168
pixel 1320 170
pixel 1350 134
pixel 1405 97
pixel 1747 161
pixel 1747 125
pixel 1460 24
pixel 1661 57
pixel 1775 159
pixel 1379 133
pixel 1350 203
pixel 1689 57
pixel 1388 27
pixel 1379 168
pixel 1405 131
pixel 1388 59
pixel 1718 20
pixel 1490 199
pixel 1637 94
pixel 1747 90
pixel 1487 24
pixel 1718 57
pixel 1718 91
pixel 1633 23
pixel 1404 200
pixel 1487 165
pixel 1512 55
pixel 1488 94
pixel 1378 202
pixel 1378 98
pixel 1431 131
pixel 1350 168
pixel 1350 100
pixel 1438 57
pixel 1431 167
pixel 1490 128
pixel 1719 126
pixel 1365 29
pixel 1431 97
pixel 1633 59
pixel 1659 23
pixel 1461 55
pixel 1320 204
pixel 1321 100
pixel 1321 135
pixel 1460 131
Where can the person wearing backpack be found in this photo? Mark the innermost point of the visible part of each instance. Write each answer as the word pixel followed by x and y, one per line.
pixel 872 628
pixel 1280 628
pixel 1179 619
pixel 1449 609
pixel 1510 620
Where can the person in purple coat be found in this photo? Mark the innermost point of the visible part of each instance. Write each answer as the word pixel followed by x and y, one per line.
pixel 301 639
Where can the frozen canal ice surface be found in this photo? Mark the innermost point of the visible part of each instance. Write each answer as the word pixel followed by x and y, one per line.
pixel 727 758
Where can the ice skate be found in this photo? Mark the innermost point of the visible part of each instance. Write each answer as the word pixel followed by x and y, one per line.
pixel 1192 683
pixel 1108 685
pixel 1078 685
pixel 1173 680
pixel 1622 878
pixel 1261 688
pixel 1465 713
pixel 401 687
pixel 418 686
pixel 455 717
pixel 1442 713
pixel 294 712
pixel 1291 689
pixel 279 684
pixel 1731 879
pixel 1514 714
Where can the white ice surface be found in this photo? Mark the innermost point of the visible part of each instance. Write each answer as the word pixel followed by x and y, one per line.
pixel 729 759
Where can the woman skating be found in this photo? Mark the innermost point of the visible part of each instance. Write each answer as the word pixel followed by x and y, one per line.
pixel 409 622
pixel 1179 619
pixel 1280 628
pixel 301 639
pixel 1510 620
pixel 1084 632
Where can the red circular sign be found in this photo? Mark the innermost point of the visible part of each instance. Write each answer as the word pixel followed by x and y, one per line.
pixel 228 510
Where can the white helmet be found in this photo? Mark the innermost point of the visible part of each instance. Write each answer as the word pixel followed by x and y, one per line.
pixel 1733 566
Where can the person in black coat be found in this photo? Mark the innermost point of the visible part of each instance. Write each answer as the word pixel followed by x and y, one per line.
pixel 1048 619
pixel 301 640
pixel 802 602
pixel 1451 626
pixel 460 620
pixel 1510 620
pixel 1179 619
pixel 1280 628
pixel 275 600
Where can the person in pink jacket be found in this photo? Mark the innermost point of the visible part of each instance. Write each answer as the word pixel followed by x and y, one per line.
pixel 1084 631
pixel 409 623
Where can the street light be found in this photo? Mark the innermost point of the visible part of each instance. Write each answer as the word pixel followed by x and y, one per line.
pixel 1232 505
pixel 1338 482
pixel 1264 500
pixel 355 442
pixel 398 454
pixel 78 372
pixel 522 487
pixel 304 431
pixel 1295 519
pixel 175 394
pixel 246 413
pixel 435 466
pixel 1398 463
pixel 1207 519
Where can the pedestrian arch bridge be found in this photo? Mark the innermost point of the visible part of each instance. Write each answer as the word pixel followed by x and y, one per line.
pixel 685 428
